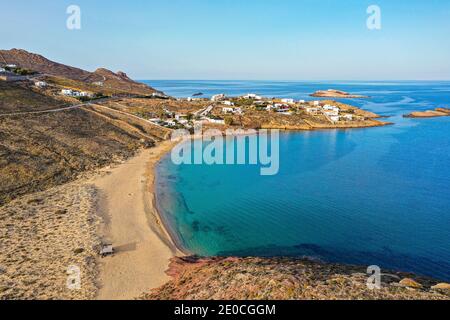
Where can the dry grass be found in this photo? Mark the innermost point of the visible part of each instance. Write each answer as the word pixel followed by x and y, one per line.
pixel 41 235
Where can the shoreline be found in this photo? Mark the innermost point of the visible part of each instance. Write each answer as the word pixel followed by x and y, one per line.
pixel 143 246
pixel 168 233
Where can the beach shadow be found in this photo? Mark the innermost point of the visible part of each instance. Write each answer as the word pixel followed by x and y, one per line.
pixel 125 248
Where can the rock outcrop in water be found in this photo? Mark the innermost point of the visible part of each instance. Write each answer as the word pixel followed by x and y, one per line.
pixel 438 112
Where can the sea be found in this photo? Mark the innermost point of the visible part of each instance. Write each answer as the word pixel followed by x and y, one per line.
pixel 376 196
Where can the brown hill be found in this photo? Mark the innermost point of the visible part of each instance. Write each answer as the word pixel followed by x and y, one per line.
pixel 39 151
pixel 102 77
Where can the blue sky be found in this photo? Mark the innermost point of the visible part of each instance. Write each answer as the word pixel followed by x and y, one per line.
pixel 238 39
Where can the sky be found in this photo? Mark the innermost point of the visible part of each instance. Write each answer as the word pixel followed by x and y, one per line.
pixel 238 39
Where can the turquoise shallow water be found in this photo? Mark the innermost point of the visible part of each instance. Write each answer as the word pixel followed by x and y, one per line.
pixel 363 196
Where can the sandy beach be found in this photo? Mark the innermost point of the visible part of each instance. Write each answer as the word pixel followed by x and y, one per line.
pixel 131 223
pixel 44 234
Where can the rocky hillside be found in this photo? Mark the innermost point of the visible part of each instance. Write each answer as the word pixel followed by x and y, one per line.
pixel 38 151
pixel 101 77
pixel 286 279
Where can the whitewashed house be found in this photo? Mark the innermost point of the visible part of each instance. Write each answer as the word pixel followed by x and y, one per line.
pixel 347 117
pixel 330 108
pixel 312 109
pixel 287 100
pixel 40 84
pixel 67 92
pixel 331 113
pixel 302 101
pixel 252 96
pixel 218 97
pixel 227 110
pixel 85 94
pixel 334 118
pixel 180 117
pixel 228 103
pixel 316 103
pixel 216 121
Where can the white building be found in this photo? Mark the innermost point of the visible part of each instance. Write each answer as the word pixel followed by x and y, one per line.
pixel 216 121
pixel 228 110
pixel 180 117
pixel 40 84
pixel 228 103
pixel 11 66
pixel 67 92
pixel 252 96
pixel 347 117
pixel 302 101
pixel 316 103
pixel 334 118
pixel 287 100
pixel 232 110
pixel 218 97
pixel 331 113
pixel 330 108
pixel 312 109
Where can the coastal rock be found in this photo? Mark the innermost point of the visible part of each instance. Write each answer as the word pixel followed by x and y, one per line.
pixel 410 283
pixel 218 278
pixel 332 93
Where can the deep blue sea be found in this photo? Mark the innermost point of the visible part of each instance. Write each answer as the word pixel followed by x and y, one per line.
pixel 377 196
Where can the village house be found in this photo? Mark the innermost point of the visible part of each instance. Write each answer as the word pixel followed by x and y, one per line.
pixel 231 110
pixel 228 103
pixel 283 109
pixel 171 123
pixel 312 109
pixel 334 118
pixel 330 108
pixel 67 92
pixel 347 117
pixel 216 121
pixel 180 117
pixel 302 101
pixel 287 100
pixel 331 113
pixel 316 103
pixel 252 96
pixel 218 97
pixel 40 84
pixel 227 110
